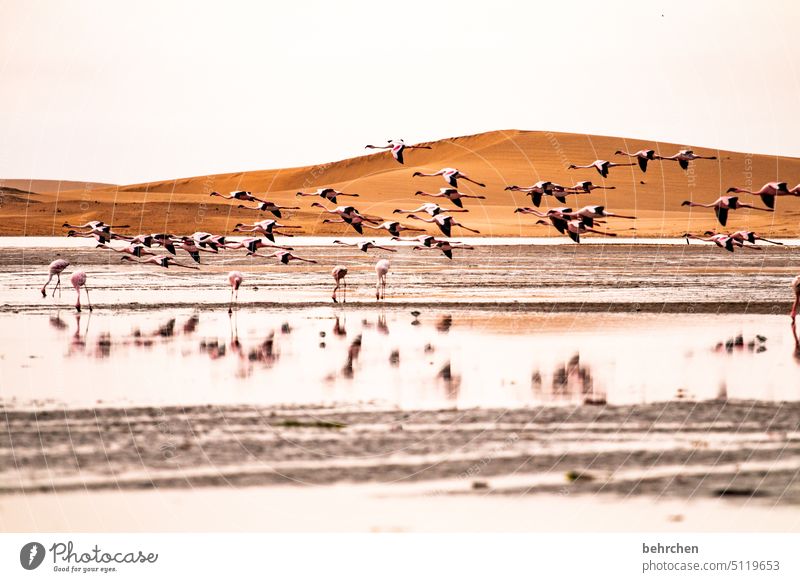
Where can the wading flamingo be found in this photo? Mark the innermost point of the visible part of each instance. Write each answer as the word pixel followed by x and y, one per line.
pixel 56 268
pixel 364 246
pixel 796 289
pixel 722 205
pixel 381 270
pixel 445 223
pixel 453 195
pixel 270 207
pixel 768 192
pixel 78 280
pixel 451 176
pixel 339 273
pixel 642 157
pixel 325 193
pixel 397 146
pixel 602 166
pixel 235 279
pixel 683 157
pixel 160 260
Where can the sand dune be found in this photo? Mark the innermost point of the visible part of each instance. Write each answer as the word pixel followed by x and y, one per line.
pixel 497 158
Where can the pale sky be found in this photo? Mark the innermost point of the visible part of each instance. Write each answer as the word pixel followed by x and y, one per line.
pixel 133 91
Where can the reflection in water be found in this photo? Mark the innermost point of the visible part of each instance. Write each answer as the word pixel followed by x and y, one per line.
pixel 495 359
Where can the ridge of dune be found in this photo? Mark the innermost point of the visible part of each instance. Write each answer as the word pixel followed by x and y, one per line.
pixel 498 158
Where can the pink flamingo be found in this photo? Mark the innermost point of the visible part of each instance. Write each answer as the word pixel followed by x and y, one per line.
pixel 56 268
pixel 252 244
pixel 235 279
pixel 451 176
pixel 540 189
pixel 746 236
pixel 136 250
pixel 642 157
pixel 95 225
pixel 683 157
pixel 722 205
pixel 266 227
pixel 587 186
pixel 796 289
pixel 588 214
pixel 98 235
pixel 452 194
pixel 397 147
pixel 339 274
pixel 160 260
pixel 575 228
pixel 206 239
pixel 394 228
pixel 768 192
pixel 445 223
pixel 270 207
pixel 602 166
pixel 364 246
pixel 239 195
pixel 430 208
pixel 559 217
pixel 189 245
pixel 381 270
pixel 326 194
pixel 721 240
pixel 423 239
pixel 445 246
pixel 283 256
pixel 78 280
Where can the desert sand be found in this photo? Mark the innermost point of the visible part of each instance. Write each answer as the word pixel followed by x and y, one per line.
pixel 498 158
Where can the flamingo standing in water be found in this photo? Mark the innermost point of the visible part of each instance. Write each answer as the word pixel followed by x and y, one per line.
pixel 445 223
pixel 381 270
pixel 768 192
pixel 235 279
pixel 430 208
pixel 269 207
pixel 722 205
pixel 325 193
pixel 642 157
pixel 364 246
pixel 683 157
pixel 397 146
pixel 451 176
pixel 796 289
pixel 78 280
pixel 160 260
pixel 339 274
pixel 602 166
pixel 453 195
pixel 56 268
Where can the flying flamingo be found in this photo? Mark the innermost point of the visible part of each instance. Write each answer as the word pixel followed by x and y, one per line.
pixel 588 214
pixel 339 274
pixel 575 228
pixel 239 195
pixel 266 227
pixel 445 223
pixel 283 256
pixel 683 157
pixel 394 227
pixel 642 157
pixel 270 207
pixel 453 195
pixel 381 269
pixel 796 289
pixel 587 186
pixel 235 279
pixel 430 208
pixel 602 166
pixel 56 268
pixel 540 189
pixel 325 193
pixel 722 205
pixel 423 239
pixel 94 225
pixel 721 240
pixel 445 246
pixel 749 236
pixel 98 235
pixel 206 239
pixel 559 217
pixel 160 260
pixel 451 176
pixel 252 244
pixel 768 192
pixel 397 146
pixel 364 246
pixel 135 250
pixel 189 245
pixel 78 280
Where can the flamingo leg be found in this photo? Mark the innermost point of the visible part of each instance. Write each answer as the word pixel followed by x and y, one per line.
pixel 87 296
pixel 230 302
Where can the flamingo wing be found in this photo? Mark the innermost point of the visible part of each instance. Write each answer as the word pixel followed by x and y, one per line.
pixel 722 215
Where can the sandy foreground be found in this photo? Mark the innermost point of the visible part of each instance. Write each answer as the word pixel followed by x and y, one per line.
pixel 497 158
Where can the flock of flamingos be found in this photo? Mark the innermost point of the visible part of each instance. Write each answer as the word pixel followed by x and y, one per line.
pixel 572 223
